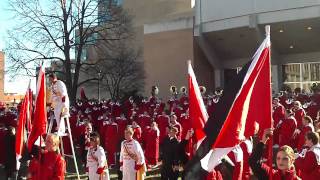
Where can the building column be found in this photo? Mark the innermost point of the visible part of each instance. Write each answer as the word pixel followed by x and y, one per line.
pixel 275 79
pixel 218 78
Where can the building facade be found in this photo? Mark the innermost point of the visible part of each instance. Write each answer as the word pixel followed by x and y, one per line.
pixel 2 61
pixel 221 36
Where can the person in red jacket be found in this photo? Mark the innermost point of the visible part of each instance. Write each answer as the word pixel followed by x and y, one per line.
pixel 309 161
pixel 284 160
pixel 279 111
pixel 307 127
pixel 152 144
pixel 137 132
pixel 278 114
pixel 111 138
pixel 286 130
pixel 51 165
pixel 144 120
pixel 299 113
pixel 163 122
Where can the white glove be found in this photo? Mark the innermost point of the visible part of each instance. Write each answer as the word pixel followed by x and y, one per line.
pixel 303 152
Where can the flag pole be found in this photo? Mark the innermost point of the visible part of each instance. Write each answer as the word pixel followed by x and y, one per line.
pixel 270 144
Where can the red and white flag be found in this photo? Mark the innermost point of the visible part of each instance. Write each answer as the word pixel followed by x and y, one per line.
pixel 197 110
pixel 21 130
pixel 39 124
pixel 252 103
pixel 245 102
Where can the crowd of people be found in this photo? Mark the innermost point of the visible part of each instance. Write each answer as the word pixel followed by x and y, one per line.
pixel 147 133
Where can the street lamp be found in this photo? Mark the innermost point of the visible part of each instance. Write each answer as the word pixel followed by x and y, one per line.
pixel 99 76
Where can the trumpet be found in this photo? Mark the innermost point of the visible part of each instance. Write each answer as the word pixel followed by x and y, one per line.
pixel 183 90
pixel 202 90
pixel 306 105
pixel 215 99
pixel 218 92
pixel 154 90
pixel 289 101
pixel 173 89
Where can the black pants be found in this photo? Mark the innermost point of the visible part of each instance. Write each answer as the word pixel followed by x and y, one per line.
pixel 167 172
pixel 11 174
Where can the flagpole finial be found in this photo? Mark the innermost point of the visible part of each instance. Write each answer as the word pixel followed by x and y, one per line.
pixel 267 27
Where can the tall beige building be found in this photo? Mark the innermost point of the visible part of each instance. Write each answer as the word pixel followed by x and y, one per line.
pixel 2 76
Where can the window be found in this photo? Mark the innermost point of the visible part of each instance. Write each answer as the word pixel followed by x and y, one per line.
pixel 301 75
pixel 104 9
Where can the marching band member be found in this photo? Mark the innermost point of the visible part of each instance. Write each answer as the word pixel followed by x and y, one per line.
pixel 132 161
pixel 309 161
pixel 285 161
pixel 60 101
pixel 152 144
pixel 299 113
pixel 51 165
pixel 307 127
pixel 96 160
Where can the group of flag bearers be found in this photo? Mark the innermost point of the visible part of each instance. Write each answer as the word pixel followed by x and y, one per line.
pixel 206 139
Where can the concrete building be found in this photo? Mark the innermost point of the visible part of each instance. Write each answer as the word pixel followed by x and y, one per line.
pixel 164 31
pixel 220 36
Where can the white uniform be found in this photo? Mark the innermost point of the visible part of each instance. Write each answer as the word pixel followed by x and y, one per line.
pixel 128 167
pixel 96 158
pixel 59 90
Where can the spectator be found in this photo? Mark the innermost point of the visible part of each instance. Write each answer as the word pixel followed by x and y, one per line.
pixel 285 161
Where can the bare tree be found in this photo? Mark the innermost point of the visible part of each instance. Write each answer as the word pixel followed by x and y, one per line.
pixel 61 31
pixel 123 74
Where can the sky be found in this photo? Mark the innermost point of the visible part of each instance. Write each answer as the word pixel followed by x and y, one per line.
pixel 19 84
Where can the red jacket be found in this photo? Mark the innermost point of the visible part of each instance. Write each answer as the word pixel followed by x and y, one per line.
pixel 286 131
pixel 111 139
pixel 137 134
pixel 299 114
pixel 302 134
pixel 51 167
pixel 278 114
pixel 152 145
pixel 163 123
pixel 310 164
pixel 263 171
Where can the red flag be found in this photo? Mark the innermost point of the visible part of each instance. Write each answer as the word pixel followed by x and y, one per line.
pixel 40 113
pixel 83 94
pixel 21 128
pixel 197 110
pixel 252 104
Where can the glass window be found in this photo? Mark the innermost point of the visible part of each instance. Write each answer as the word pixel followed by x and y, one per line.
pixel 315 71
pixel 301 75
pixel 291 73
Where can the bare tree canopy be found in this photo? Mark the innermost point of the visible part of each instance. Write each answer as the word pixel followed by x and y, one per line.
pixel 63 31
pixel 122 74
